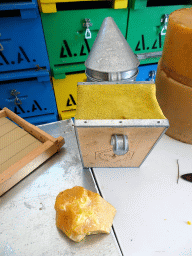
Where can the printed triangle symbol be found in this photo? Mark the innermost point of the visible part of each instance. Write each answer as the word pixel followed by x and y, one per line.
pixel 68 103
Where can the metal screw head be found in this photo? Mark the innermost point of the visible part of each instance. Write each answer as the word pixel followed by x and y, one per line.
pixel 87 23
pixel 14 92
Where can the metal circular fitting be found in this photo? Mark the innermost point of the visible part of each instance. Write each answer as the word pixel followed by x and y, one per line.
pixel 96 76
pixel 120 144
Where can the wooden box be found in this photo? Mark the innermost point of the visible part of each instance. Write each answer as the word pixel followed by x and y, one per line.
pixel 23 147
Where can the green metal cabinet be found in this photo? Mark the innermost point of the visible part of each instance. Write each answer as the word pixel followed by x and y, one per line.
pixel 147 28
pixel 65 38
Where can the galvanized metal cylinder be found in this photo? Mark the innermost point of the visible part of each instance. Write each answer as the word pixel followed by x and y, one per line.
pixel 95 76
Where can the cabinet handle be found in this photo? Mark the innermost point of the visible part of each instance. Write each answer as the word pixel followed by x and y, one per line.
pixel 1 47
pixel 164 20
pixel 17 100
pixel 152 74
pixel 120 144
pixel 87 24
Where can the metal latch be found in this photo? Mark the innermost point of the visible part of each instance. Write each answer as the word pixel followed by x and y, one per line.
pixel 17 100
pixel 164 20
pixel 120 144
pixel 1 46
pixel 87 24
pixel 152 74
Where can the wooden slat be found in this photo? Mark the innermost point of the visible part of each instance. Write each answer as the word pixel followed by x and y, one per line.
pixel 22 150
pixel 21 169
pixel 12 136
pixel 3 113
pixel 3 120
pixel 32 129
pixel 7 127
pixel 19 156
pixel 11 171
pixel 17 146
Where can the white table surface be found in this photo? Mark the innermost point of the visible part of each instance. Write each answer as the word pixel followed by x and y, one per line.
pixel 152 208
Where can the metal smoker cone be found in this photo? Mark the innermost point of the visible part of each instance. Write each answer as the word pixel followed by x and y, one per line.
pixel 111 58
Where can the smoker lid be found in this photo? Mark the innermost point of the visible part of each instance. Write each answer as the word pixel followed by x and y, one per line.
pixel 110 51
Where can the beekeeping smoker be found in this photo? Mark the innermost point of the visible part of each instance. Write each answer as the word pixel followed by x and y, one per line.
pixel 111 58
pixel 118 121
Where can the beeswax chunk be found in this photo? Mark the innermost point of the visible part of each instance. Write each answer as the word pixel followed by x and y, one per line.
pixel 80 212
pixel 175 100
pixel 177 50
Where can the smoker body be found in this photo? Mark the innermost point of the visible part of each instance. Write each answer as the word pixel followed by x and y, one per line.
pixel 112 136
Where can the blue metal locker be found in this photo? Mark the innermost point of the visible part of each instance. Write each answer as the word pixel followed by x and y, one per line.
pixel 147 72
pixel 27 8
pixel 30 95
pixel 22 42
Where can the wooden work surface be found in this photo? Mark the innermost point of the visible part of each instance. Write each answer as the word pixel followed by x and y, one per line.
pixel 15 143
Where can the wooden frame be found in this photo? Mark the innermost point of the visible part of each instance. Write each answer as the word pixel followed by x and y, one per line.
pixel 20 169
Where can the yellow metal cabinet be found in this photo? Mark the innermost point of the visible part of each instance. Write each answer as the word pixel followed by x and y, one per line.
pixel 50 6
pixel 66 94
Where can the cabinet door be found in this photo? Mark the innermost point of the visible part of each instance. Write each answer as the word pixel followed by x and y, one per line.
pixel 28 98
pixel 65 33
pixel 22 43
pixel 147 30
